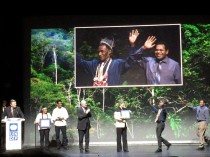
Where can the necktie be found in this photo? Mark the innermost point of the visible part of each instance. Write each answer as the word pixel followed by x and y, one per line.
pixel 12 112
pixel 158 115
pixel 84 109
pixel 158 71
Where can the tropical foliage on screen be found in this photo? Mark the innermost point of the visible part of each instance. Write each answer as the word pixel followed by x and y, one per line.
pixel 52 78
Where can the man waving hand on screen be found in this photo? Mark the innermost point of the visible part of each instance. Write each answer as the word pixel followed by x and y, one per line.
pixel 106 71
pixel 159 69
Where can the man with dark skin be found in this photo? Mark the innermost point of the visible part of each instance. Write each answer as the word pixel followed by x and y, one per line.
pixel 106 71
pixel 160 120
pixel 202 117
pixel 159 69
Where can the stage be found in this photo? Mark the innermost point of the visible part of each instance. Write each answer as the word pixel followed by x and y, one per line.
pixel 176 150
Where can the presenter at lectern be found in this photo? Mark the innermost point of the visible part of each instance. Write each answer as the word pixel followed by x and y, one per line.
pixel 12 111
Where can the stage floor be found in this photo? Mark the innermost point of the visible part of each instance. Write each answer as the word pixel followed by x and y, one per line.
pixel 110 151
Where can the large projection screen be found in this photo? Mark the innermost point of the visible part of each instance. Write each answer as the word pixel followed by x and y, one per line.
pixel 119 69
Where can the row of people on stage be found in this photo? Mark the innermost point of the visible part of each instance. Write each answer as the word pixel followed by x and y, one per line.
pixel 60 115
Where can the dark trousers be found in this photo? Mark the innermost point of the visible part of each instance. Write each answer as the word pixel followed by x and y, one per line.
pixel 44 137
pixel 3 135
pixel 63 131
pixel 159 129
pixel 84 133
pixel 122 133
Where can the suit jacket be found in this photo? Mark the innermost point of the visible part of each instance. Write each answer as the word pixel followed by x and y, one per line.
pixel 17 113
pixel 116 68
pixel 83 119
pixel 1 111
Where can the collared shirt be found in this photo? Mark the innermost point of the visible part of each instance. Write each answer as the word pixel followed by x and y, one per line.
pixel 62 113
pixel 3 108
pixel 202 113
pixel 163 113
pixel 170 69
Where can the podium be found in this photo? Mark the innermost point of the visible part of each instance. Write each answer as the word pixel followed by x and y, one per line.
pixel 13 133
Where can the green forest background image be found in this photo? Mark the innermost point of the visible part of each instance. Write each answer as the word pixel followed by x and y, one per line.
pixel 50 82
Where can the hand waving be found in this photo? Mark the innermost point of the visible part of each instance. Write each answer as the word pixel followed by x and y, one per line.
pixel 133 36
pixel 149 43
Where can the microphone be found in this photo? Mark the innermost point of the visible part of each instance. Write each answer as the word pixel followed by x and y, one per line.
pixel 87 110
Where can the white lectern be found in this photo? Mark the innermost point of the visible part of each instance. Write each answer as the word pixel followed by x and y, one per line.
pixel 13 133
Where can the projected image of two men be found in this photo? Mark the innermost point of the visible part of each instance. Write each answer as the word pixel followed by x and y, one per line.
pixel 128 56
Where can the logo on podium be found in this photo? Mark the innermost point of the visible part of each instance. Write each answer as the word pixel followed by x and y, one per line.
pixel 13 131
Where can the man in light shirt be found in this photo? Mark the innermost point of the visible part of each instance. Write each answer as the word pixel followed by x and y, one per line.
pixel 59 117
pixel 202 117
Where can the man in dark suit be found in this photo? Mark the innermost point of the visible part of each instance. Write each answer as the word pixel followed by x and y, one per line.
pixel 83 125
pixel 12 111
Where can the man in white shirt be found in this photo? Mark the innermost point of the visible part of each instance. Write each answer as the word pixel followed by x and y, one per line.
pixel 59 117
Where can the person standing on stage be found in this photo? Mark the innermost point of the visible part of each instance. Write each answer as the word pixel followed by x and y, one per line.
pixel 12 111
pixel 160 120
pixel 83 125
pixel 59 117
pixel 121 127
pixel 44 131
pixel 202 116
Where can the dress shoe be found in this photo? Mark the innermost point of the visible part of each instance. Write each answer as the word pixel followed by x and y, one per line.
pixel 65 147
pixel 58 147
pixel 119 150
pixel 158 150
pixel 208 142
pixel 126 150
pixel 168 146
pixel 200 148
pixel 87 151
pixel 42 148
